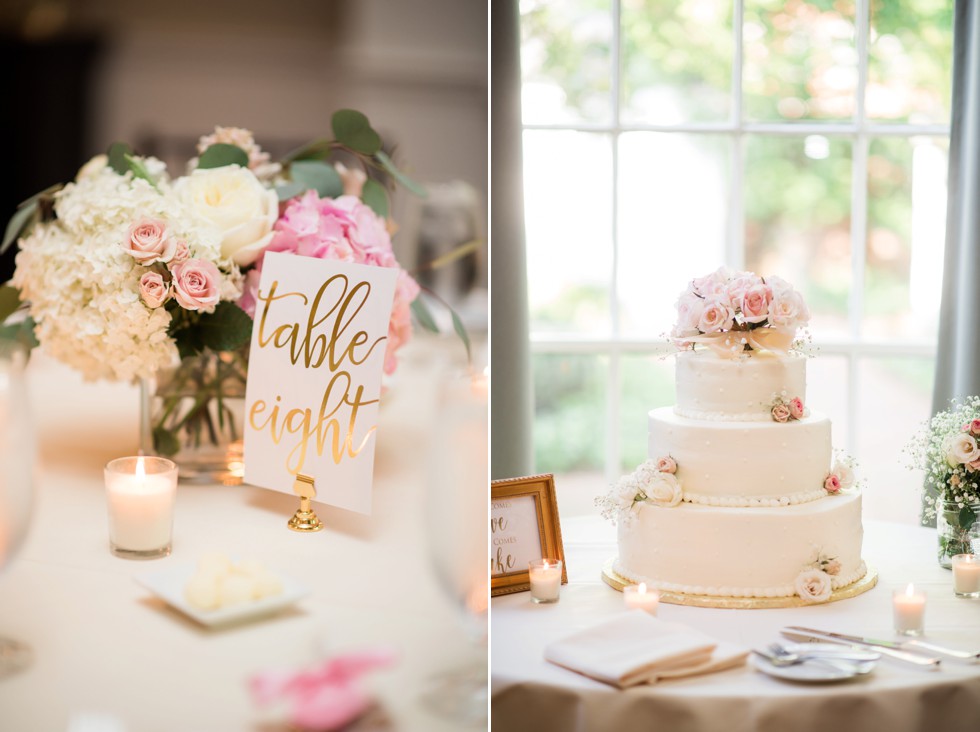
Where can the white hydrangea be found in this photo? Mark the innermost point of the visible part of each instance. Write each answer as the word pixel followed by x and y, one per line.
pixel 84 288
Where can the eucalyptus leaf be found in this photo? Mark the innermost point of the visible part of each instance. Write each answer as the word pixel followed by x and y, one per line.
pixel 461 332
pixel 226 329
pixel 375 196
pixel 315 150
pixel 351 128
pixel 22 332
pixel 321 177
pixel 117 157
pixel 289 190
pixel 967 517
pixel 21 219
pixel 423 315
pixel 140 171
pixel 395 173
pixel 9 301
pixel 221 154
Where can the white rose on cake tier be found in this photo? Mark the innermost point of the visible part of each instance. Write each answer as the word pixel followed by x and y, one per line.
pixel 664 490
pixel 236 204
pixel 813 585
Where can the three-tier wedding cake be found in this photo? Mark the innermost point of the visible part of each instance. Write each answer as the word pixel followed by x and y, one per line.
pixel 741 496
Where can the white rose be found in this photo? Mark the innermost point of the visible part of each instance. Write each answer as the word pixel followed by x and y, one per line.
pixel 664 490
pixel 236 204
pixel 962 449
pixel 787 309
pixel 689 309
pixel 844 473
pixel 813 585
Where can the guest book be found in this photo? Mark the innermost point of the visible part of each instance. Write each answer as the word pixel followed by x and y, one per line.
pixel 314 376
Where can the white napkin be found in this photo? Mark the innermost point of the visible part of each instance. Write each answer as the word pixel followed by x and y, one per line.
pixel 636 648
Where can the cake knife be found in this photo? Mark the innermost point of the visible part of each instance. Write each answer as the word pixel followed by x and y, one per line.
pixel 909 645
pixel 888 648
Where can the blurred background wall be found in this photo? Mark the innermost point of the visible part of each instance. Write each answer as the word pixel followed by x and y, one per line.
pixel 80 74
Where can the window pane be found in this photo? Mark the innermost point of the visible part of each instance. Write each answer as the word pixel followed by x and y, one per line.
pixel 826 392
pixel 910 61
pixel 797 220
pixel 569 256
pixel 566 61
pixel 570 425
pixel 677 61
pixel 673 212
pixel 906 237
pixel 800 60
pixel 895 397
pixel 645 383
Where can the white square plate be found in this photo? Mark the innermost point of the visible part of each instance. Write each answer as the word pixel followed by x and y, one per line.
pixel 168 584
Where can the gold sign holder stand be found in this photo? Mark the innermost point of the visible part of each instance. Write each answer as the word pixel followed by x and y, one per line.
pixel 305 518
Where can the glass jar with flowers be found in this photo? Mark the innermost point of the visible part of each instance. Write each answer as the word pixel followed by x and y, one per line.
pixel 947 449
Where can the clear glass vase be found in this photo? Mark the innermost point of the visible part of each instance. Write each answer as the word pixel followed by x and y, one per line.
pixel 194 414
pixel 958 527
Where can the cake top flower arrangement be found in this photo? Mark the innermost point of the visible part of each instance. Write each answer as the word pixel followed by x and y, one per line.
pixel 126 270
pixel 733 312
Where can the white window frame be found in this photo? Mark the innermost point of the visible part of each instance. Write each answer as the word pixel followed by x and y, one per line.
pixel 858 131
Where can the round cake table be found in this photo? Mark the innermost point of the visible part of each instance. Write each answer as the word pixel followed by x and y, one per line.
pixel 528 693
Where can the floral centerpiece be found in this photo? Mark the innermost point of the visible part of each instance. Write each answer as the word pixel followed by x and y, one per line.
pixel 947 447
pixel 733 312
pixel 127 273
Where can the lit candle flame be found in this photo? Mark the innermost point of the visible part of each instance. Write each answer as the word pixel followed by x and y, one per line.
pixel 140 469
pixel 910 590
pixel 642 589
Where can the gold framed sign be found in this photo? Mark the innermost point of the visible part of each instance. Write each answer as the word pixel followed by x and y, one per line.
pixel 523 526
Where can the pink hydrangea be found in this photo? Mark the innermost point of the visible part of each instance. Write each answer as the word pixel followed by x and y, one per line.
pixel 346 230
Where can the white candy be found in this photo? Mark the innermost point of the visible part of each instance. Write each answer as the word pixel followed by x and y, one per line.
pixel 219 583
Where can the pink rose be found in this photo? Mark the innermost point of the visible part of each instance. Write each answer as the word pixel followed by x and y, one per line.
pixel 689 309
pixel 974 465
pixel 741 283
pixel 715 283
pixel 153 289
pixel 813 585
pixel 196 285
pixel 787 310
pixel 181 253
pixel 780 412
pixel 796 408
pixel 666 465
pixel 755 304
pixel 716 317
pixel 147 242
pixel 975 426
pixel 832 567
pixel 832 484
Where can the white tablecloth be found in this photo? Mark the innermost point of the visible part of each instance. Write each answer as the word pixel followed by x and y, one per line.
pixel 105 647
pixel 531 694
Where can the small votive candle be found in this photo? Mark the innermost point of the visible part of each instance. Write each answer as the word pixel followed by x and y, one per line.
pixel 140 494
pixel 966 575
pixel 545 577
pixel 910 610
pixel 639 597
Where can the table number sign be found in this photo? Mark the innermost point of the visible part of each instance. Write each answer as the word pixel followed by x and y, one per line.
pixel 314 376
pixel 523 527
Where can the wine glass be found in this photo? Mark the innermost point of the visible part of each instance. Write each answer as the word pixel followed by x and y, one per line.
pixel 457 519
pixel 16 476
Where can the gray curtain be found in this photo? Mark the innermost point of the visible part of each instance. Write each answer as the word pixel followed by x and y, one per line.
pixel 958 358
pixel 511 401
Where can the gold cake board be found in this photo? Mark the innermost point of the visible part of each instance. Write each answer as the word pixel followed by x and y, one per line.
pixel 869 580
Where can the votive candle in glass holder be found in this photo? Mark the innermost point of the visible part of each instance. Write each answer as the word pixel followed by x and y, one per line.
pixel 910 610
pixel 639 597
pixel 545 577
pixel 966 575
pixel 140 494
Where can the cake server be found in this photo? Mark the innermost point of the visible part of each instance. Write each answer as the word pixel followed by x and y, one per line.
pixel 887 648
pixel 909 645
